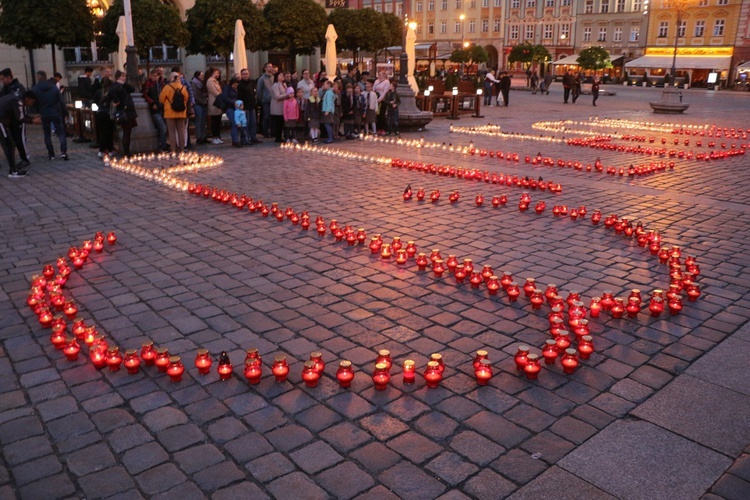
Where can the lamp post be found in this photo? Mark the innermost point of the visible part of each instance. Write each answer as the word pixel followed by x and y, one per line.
pixel 463 42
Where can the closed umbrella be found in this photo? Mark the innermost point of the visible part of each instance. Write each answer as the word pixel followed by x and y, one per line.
pixel 240 54
pixel 411 38
pixel 331 60
pixel 120 56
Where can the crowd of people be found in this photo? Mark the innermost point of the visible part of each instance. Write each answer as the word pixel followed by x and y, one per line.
pixel 499 88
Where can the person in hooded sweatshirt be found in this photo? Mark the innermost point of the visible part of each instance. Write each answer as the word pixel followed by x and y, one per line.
pixel 52 110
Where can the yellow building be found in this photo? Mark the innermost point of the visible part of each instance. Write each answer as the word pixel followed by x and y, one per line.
pixel 705 32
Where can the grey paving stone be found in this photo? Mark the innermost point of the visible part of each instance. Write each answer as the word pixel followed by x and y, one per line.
pixel 414 446
pixel 475 447
pixel 680 407
pixel 27 449
pixel 111 419
pixel 226 429
pixel 106 483
pixel 488 485
pixel 731 487
pixel 378 493
pixel 345 436
pixel 217 476
pixel 296 481
pixel 451 468
pixel 408 481
pixel 269 467
pixel 727 354
pixel 498 429
pixel 664 463
pixel 247 447
pixel 160 478
pixel 345 480
pixel 375 457
pixel 143 457
pixel 128 437
pixel 180 436
pixel 315 457
pixel 562 484
pixel 36 469
pixel 163 418
pixel 20 428
pixel 548 446
pixel 317 418
pixel 383 426
pixel 239 492
pixel 91 459
pixel 520 466
pixel 183 490
pixel 56 486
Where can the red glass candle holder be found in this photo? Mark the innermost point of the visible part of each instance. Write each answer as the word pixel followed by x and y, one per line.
pixel 411 249
pixel 433 375
pixel 381 376
pixel 280 368
pixel 70 309
pixel 438 268
pixel 386 252
pixel 438 358
pixel 58 336
pixel 71 349
pixel 148 353
pixel 361 236
pixel 253 370
pixel 595 307
pixel 569 361
pixel 582 328
pixel 310 374
pixel 479 356
pixel 48 271
pixel 111 238
pixel 203 361
pixel 468 265
pixel 550 292
pixel 401 257
pixel 476 280
pixel 562 341
pixel 114 358
pixel 656 306
pixel 384 357
pixel 317 359
pixel 532 367
pixel 162 359
pixel 618 308
pixel 675 305
pixel 506 280
pixel 585 347
pixel 550 352
pixel 435 254
pixel 98 358
pixel 693 292
pixel 521 357
pixel 132 362
pixel 175 369
pixel 513 292
pixel 225 367
pixel 483 373
pixel 451 263
pixel 422 262
pixel 493 285
pixel 536 299
pixel 607 300
pixel 459 273
pixel 529 287
pixel 345 373
pixel 633 307
pixel 98 246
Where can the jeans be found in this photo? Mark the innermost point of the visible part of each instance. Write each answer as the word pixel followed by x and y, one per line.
pixel 566 94
pixel 252 131
pixel 200 122
pixel 47 122
pixel 233 126
pixel 265 123
pixel 176 128
pixel 392 114
pixel 161 127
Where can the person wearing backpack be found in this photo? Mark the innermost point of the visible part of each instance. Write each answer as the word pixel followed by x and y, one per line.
pixel 174 97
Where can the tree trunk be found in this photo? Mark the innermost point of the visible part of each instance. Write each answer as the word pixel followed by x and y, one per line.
pixel 293 61
pixel 54 59
pixel 226 64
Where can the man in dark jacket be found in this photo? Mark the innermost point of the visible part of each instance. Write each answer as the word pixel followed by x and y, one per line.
pixel 17 129
pixel 84 86
pixel 12 110
pixel 52 109
pixel 505 87
pixel 567 81
pixel 151 91
pixel 246 93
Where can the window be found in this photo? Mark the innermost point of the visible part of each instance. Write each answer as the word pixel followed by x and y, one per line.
pixel 702 3
pixel 719 27
pixel 473 4
pixel 589 7
pixel 514 32
pixel 389 8
pixel 430 5
pixel 605 6
pixel 636 5
pixel 378 8
pixel 485 4
pixel 617 37
pixel 497 24
pixel 681 28
pixel 700 28
pixel 514 4
pixel 549 3
pixel 399 9
pixel 529 32
pixel 419 29
pixel 602 34
pixel 443 27
pixel 498 3
pixel 419 6
pixel 565 31
pixel 458 4
pixel 663 29
pixel 530 4
pixel 587 34
pixel 485 25
pixel 472 26
pixel 457 27
pixel 566 3
pixel 620 5
pixel 547 31
pixel 445 5
pixel 635 32
pixel 430 28
pixel 722 2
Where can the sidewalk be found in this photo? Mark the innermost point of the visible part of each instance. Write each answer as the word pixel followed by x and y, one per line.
pixel 660 410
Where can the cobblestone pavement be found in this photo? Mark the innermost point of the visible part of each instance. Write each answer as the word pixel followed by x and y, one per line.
pixel 661 410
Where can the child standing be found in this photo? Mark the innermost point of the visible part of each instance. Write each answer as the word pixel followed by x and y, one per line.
pixel 371 109
pixel 348 105
pixel 327 110
pixel 240 119
pixel 313 115
pixel 291 114
pixel 392 101
pixel 301 121
pixel 359 109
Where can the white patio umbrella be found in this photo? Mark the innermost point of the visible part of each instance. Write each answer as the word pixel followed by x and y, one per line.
pixel 411 38
pixel 240 54
pixel 331 60
pixel 120 56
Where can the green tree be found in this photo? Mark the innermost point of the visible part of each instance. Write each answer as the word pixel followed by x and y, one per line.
pixel 528 54
pixel 594 58
pixel 154 23
pixel 295 25
pixel 470 55
pixel 359 29
pixel 30 24
pixel 211 27
pixel 395 30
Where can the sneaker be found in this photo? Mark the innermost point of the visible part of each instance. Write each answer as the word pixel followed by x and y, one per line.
pixel 50 157
pixel 64 156
pixel 295 141
pixel 23 164
pixel 17 174
pixel 101 154
pixel 217 141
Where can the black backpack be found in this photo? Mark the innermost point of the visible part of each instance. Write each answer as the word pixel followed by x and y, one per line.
pixel 178 101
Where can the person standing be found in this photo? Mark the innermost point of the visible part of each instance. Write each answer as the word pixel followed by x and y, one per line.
pixel 213 87
pixel 328 108
pixel 264 93
pixel 12 110
pixel 52 109
pixel 152 90
pixel 534 82
pixel 575 88
pixel 306 84
pixel 312 115
pixel 229 96
pixel 489 82
pixel 105 128
pixel 381 87
pixel 595 90
pixel 11 85
pixel 505 87
pixel 200 108
pixel 84 86
pixel 392 101
pixel 371 110
pixel 276 107
pixel 547 82
pixel 567 82
pixel 246 93
pixel 120 95
pixel 174 99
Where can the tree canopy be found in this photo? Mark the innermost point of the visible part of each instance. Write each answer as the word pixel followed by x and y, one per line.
pixel 395 30
pixel 472 54
pixel 594 58
pixel 30 24
pixel 527 54
pixel 211 26
pixel 359 29
pixel 154 23
pixel 297 25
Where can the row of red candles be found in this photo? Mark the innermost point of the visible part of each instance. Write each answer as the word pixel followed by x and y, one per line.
pixel 676 141
pixel 714 131
pixel 688 155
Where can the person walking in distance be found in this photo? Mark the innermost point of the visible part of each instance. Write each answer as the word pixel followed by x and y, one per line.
pixel 505 87
pixel 567 81
pixel 17 129
pixel 595 89
pixel 52 109
pixel 12 109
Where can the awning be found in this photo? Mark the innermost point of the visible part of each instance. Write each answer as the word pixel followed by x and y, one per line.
pixel 745 66
pixel 683 62
pixel 573 60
